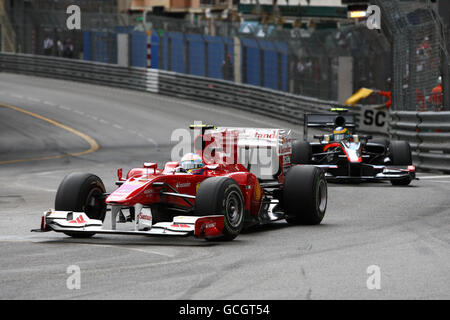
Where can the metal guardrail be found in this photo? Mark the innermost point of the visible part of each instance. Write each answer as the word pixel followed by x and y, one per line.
pixel 427 132
pixel 272 103
pixel 83 71
pixel 429 136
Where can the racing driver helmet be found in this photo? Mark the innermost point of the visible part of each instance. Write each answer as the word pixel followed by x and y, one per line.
pixel 341 133
pixel 191 161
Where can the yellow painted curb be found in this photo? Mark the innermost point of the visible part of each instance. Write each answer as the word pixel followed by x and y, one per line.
pixel 92 143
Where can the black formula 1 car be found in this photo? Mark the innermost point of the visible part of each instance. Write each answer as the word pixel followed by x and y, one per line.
pixel 346 156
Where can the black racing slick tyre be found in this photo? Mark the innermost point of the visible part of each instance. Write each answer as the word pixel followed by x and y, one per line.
pixel 382 141
pixel 222 196
pixel 400 153
pixel 305 195
pixel 81 192
pixel 401 182
pixel 301 152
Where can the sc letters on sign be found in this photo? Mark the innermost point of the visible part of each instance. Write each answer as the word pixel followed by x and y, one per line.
pixel 373 120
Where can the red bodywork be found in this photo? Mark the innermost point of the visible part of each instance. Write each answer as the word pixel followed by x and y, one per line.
pixel 219 150
pixel 161 201
pixel 139 188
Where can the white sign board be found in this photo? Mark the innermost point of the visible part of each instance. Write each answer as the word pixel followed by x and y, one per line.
pixel 374 119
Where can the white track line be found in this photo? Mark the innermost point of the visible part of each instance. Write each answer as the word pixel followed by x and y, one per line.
pixel 434 177
pixel 153 142
pixel 51 104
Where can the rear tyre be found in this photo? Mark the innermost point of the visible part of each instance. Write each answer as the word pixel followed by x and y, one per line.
pixel 305 195
pixel 301 152
pixel 81 192
pixel 222 196
pixel 400 153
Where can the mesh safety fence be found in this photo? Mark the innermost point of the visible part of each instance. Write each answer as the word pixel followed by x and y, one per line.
pixel 404 58
pixel 413 30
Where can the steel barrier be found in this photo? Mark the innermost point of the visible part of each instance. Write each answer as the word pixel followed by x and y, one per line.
pixel 429 136
pixel 427 132
pixel 77 70
pixel 275 104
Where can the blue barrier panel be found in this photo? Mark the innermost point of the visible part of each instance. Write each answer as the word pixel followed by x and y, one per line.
pixel 178 52
pixel 155 51
pixel 252 63
pixel 165 52
pixel 139 49
pixel 196 46
pixel 100 50
pixel 87 45
pixel 270 64
pixel 283 51
pixel 216 55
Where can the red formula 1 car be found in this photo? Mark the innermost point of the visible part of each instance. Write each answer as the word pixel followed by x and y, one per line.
pixel 213 196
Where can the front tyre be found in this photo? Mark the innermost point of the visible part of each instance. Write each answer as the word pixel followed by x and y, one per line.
pixel 81 192
pixel 305 195
pixel 222 196
pixel 401 182
pixel 400 153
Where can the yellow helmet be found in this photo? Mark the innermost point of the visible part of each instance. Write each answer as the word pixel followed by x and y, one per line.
pixel 341 130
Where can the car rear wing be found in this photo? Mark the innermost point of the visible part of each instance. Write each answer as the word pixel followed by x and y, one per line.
pixel 242 137
pixel 265 152
pixel 327 120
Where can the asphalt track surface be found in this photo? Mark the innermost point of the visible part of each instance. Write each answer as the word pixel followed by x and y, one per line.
pixel 402 230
